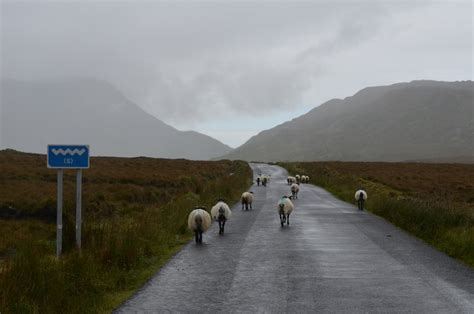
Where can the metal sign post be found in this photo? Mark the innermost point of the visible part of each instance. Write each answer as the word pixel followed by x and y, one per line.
pixel 59 217
pixel 78 207
pixel 68 157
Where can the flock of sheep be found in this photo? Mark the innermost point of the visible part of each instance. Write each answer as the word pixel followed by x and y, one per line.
pixel 263 179
pixel 199 220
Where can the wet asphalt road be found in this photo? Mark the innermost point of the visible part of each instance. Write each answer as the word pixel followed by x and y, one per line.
pixel 332 259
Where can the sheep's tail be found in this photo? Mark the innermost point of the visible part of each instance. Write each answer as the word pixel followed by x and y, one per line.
pixel 198 221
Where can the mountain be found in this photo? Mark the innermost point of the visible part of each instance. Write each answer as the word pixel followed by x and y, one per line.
pixel 405 121
pixel 87 111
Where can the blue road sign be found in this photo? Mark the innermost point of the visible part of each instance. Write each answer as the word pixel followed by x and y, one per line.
pixel 68 156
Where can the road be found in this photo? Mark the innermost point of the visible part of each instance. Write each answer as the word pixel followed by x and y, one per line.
pixel 331 259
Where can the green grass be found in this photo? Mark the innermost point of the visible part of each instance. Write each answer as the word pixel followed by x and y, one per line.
pixel 443 218
pixel 135 220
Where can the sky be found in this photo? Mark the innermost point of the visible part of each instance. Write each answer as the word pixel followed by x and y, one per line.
pixel 231 69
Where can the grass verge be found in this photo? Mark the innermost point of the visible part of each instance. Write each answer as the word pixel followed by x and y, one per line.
pixel 135 220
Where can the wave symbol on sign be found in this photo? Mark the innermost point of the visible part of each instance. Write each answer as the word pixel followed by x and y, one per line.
pixel 68 151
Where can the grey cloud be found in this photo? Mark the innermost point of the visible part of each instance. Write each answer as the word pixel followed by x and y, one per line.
pixel 188 62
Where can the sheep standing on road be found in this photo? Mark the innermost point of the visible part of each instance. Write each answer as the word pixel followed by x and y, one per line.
pixel 294 190
pixel 285 208
pixel 361 197
pixel 264 180
pixel 298 178
pixel 304 179
pixel 291 180
pixel 199 221
pixel 221 213
pixel 247 199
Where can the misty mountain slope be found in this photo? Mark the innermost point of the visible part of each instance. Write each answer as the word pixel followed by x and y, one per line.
pixel 92 112
pixel 406 121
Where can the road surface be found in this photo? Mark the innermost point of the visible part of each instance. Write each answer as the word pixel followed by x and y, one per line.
pixel 331 259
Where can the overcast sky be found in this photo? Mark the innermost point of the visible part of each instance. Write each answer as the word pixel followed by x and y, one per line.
pixel 232 69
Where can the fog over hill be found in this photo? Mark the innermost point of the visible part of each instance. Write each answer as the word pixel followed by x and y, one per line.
pixel 87 111
pixel 405 121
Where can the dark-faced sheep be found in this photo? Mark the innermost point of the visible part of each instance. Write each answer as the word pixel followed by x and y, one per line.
pixel 290 180
pixel 285 208
pixel 294 190
pixel 199 221
pixel 361 197
pixel 221 213
pixel 247 199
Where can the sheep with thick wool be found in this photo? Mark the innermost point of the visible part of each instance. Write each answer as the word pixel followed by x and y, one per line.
pixel 290 180
pixel 298 178
pixel 361 197
pixel 294 190
pixel 304 179
pixel 247 200
pixel 221 213
pixel 264 180
pixel 285 208
pixel 199 222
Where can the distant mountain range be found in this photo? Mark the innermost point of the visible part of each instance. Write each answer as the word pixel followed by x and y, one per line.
pixel 417 121
pixel 420 120
pixel 87 111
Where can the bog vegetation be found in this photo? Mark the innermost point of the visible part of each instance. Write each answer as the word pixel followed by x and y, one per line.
pixel 135 214
pixel 432 201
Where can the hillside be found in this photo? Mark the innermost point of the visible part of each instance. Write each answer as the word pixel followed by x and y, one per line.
pixel 407 121
pixel 86 111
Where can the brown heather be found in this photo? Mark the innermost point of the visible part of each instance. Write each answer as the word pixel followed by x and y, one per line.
pixel 135 213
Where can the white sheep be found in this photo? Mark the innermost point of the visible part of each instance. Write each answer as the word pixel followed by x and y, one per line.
pixel 294 190
pixel 285 208
pixel 199 221
pixel 361 197
pixel 264 180
pixel 290 180
pixel 298 178
pixel 221 213
pixel 304 179
pixel 247 199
